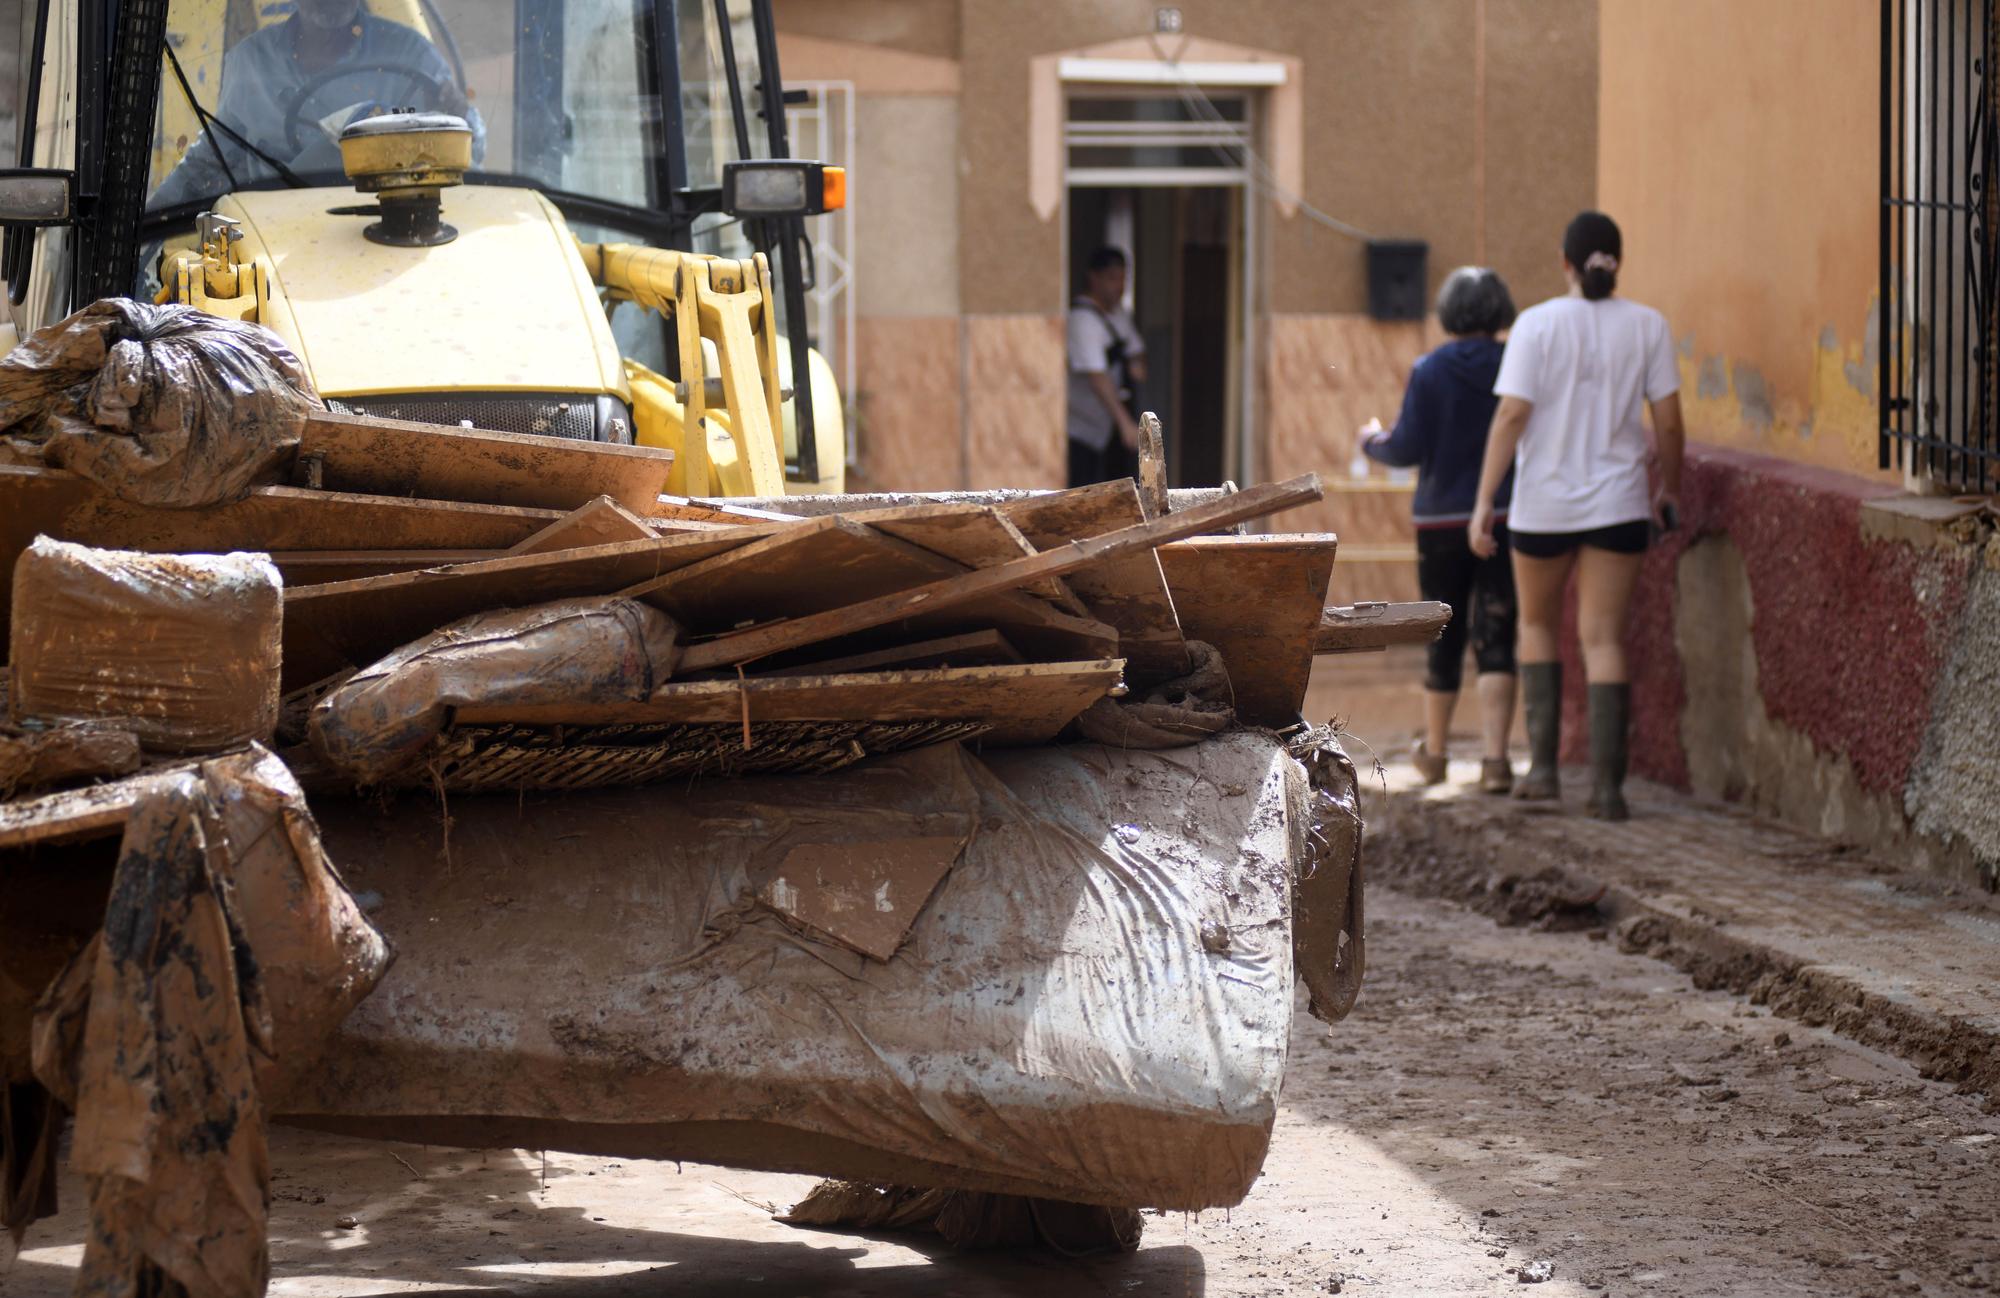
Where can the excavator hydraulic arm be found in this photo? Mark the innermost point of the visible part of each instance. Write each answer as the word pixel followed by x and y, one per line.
pixel 210 277
pixel 734 447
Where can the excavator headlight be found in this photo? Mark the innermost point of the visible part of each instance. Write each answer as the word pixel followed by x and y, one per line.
pixel 33 196
pixel 782 187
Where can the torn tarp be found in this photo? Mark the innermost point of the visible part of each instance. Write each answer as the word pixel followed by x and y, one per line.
pixel 159 405
pixel 1091 1005
pixel 230 950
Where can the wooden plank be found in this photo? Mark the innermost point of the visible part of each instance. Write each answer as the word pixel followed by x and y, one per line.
pixel 37 501
pixel 397 457
pixel 831 562
pixel 977 536
pixel 601 522
pixel 1028 703
pixel 1355 628
pixel 713 511
pixel 66 507
pixel 72 814
pixel 1051 518
pixel 762 642
pixel 352 623
pixel 315 567
pixel 1131 593
pixel 1258 599
pixel 973 649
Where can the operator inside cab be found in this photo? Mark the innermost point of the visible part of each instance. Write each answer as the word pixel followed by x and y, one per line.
pixel 289 89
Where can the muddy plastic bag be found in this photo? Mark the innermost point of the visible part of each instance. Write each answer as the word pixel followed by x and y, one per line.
pixel 158 405
pixel 182 649
pixel 1173 714
pixel 598 650
pixel 230 950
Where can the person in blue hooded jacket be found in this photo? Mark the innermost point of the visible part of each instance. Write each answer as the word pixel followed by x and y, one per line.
pixel 1441 432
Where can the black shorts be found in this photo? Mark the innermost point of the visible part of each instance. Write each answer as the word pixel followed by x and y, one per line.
pixel 1619 538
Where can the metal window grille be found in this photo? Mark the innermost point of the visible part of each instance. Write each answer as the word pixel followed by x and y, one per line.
pixel 1938 332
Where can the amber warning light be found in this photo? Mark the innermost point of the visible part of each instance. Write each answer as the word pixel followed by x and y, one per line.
pixel 782 187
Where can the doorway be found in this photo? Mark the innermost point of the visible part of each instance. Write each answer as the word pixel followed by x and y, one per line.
pixel 1183 243
pixel 1162 177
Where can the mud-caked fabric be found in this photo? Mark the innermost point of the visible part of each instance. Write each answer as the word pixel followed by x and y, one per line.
pixel 1483 607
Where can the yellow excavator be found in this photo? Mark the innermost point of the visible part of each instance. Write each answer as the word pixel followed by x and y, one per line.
pixel 574 218
pixel 578 218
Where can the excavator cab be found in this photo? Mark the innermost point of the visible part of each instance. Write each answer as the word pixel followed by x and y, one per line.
pixel 573 218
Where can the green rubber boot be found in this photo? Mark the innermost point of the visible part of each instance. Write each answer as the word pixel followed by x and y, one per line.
pixel 1541 694
pixel 1610 724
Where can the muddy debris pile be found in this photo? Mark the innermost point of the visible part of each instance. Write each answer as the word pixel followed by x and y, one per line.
pixel 222 598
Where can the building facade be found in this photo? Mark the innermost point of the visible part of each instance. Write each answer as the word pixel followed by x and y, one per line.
pixel 1822 638
pixel 1244 152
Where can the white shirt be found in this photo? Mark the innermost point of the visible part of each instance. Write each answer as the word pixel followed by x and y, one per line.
pixel 1587 367
pixel 1092 333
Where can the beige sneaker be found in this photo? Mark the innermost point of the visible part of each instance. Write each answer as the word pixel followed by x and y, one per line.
pixel 1432 767
pixel 1496 775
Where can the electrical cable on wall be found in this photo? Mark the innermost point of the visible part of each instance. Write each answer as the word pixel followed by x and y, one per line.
pixel 1263 177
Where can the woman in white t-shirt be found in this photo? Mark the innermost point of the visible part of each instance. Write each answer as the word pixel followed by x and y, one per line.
pixel 1575 376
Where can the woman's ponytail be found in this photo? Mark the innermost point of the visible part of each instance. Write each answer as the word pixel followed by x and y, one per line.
pixel 1592 246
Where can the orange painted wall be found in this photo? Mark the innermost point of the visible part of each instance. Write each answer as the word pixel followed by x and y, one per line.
pixel 1737 148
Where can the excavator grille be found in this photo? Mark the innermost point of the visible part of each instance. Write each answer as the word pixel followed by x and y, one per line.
pixel 579 416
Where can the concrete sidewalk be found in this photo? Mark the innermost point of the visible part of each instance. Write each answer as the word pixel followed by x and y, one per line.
pixel 1816 930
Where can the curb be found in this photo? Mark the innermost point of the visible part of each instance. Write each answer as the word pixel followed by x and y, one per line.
pixel 1522 878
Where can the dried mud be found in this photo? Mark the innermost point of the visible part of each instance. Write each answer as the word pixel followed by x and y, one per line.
pixel 1503 1104
pixel 1410 853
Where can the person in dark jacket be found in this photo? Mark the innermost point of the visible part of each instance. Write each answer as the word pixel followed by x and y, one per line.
pixel 1441 432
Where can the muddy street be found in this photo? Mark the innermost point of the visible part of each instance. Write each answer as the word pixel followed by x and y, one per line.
pixel 1503 1104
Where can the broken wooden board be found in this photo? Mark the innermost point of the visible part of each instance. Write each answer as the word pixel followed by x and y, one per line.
pixel 1358 628
pixel 927 601
pixel 601 522
pixel 1130 593
pixel 829 563
pixel 397 457
pixel 977 536
pixel 863 896
pixel 353 623
pixel 1028 703
pixel 1258 599
pixel 49 502
pixel 973 649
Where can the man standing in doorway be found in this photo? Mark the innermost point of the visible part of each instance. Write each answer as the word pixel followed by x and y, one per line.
pixel 1106 360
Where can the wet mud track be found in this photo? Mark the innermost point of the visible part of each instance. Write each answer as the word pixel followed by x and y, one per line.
pixel 1501 1100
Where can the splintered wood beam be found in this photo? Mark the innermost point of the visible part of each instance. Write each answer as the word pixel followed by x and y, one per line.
pixel 1152 473
pixel 1356 628
pixel 778 637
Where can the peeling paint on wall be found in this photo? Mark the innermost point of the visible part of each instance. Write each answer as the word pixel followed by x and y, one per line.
pixel 1753 396
pixel 1731 401
pixel 1714 382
